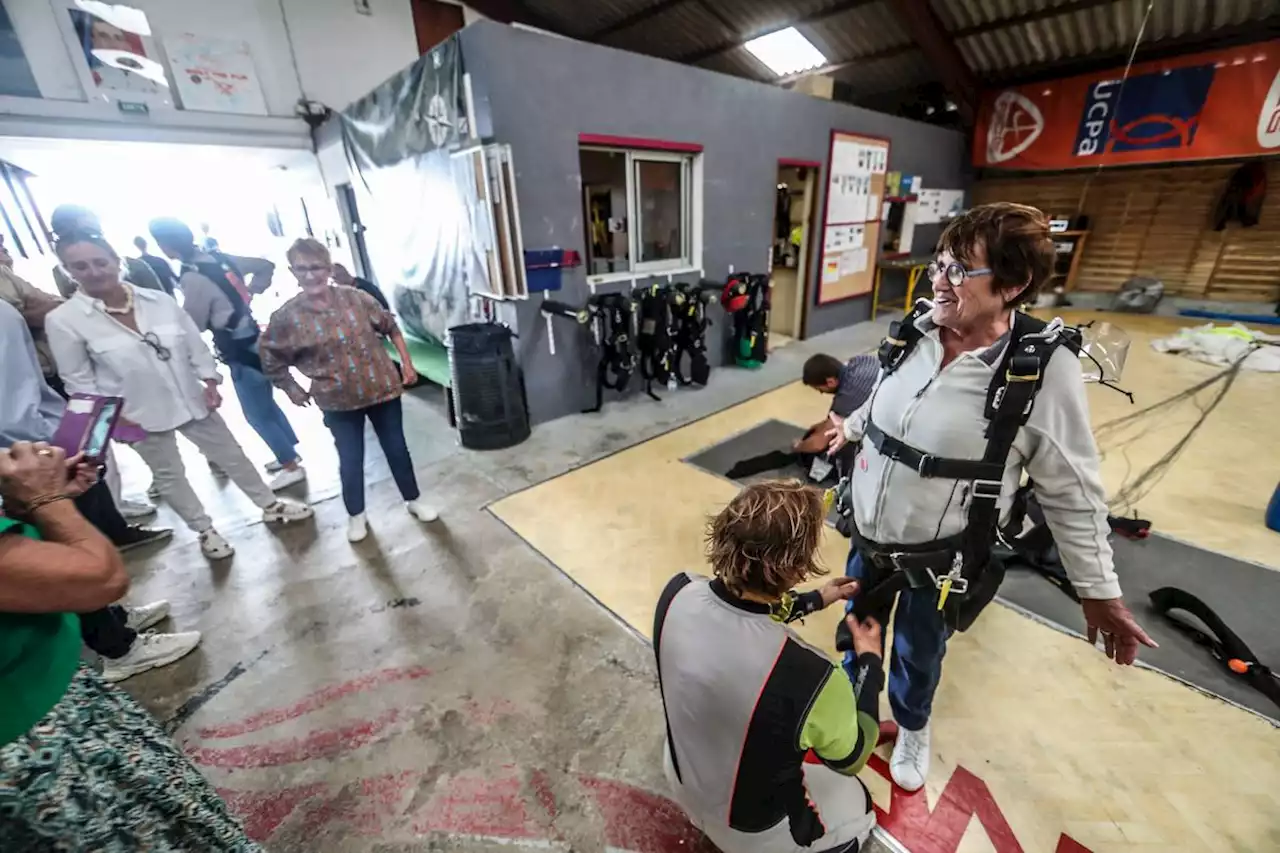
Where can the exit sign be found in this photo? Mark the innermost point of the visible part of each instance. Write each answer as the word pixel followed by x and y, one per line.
pixel 136 108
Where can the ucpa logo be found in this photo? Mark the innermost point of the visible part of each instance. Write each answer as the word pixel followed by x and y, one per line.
pixel 1016 122
pixel 1157 110
pixel 1269 117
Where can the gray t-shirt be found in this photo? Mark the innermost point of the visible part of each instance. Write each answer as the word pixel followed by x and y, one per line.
pixel 857 380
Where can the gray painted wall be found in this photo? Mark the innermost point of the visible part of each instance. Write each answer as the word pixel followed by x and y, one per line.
pixel 538 93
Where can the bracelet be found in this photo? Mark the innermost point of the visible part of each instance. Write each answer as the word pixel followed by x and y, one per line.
pixel 44 501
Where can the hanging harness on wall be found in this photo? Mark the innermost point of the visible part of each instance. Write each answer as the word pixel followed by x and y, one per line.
pixel 611 317
pixel 656 335
pixel 746 297
pixel 692 323
pixel 1243 198
pixel 961 567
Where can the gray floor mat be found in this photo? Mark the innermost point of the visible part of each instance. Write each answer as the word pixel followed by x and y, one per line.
pixel 1244 595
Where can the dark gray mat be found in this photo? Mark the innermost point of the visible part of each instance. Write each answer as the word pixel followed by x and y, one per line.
pixel 1244 595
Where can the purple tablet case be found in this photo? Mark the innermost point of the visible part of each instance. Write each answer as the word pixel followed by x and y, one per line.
pixel 82 423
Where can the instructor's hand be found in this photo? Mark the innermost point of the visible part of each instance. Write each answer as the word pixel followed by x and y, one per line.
pixel 866 636
pixel 1121 633
pixel 31 472
pixel 835 436
pixel 838 589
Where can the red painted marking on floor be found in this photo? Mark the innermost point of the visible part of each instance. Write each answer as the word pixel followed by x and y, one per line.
pixel 642 822
pixel 540 782
pixel 325 743
pixel 488 712
pixel 471 804
pixel 314 701
pixel 364 805
pixel 263 811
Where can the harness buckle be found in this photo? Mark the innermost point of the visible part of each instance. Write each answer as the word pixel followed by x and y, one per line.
pixel 987 490
pixel 1010 376
pixel 927 465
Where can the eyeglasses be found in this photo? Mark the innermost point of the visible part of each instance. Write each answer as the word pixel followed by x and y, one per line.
pixel 956 274
pixel 162 352
pixel 310 271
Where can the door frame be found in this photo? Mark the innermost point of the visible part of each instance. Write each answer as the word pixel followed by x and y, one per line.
pixel 806 270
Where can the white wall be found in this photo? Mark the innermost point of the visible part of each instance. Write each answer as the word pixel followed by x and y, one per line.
pixel 341 54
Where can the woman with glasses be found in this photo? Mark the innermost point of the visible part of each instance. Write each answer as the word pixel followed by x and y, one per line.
pixel 113 339
pixel 910 511
pixel 333 335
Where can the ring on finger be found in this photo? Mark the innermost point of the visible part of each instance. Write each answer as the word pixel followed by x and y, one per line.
pixel 44 451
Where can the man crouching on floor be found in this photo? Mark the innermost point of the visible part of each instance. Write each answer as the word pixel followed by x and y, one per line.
pixel 746 699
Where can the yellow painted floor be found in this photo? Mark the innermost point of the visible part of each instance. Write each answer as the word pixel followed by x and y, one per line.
pixel 1068 747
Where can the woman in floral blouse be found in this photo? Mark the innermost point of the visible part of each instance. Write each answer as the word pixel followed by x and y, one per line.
pixel 333 335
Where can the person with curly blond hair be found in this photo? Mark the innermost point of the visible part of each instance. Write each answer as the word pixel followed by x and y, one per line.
pixel 746 699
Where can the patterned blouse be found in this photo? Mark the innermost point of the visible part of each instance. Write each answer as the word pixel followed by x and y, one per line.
pixel 337 346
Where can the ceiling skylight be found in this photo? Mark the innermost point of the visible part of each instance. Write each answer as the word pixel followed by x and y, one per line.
pixel 786 52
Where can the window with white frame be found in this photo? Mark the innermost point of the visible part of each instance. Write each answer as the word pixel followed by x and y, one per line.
pixel 638 210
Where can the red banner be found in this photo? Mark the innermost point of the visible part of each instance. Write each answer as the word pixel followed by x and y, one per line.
pixel 1218 104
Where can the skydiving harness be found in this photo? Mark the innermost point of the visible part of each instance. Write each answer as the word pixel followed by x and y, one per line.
pixel 960 567
pixel 611 317
pixel 746 297
pixel 656 338
pixel 692 323
pixel 227 278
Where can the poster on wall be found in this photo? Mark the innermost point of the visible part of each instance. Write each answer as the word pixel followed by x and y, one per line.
pixel 1212 105
pixel 214 75
pixel 934 206
pixel 15 72
pixel 113 53
pixel 851 225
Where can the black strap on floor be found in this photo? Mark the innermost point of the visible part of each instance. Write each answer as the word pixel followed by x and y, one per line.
pixel 1224 644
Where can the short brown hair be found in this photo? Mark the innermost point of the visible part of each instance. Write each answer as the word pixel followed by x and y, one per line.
pixel 766 540
pixel 311 247
pixel 1016 238
pixel 819 368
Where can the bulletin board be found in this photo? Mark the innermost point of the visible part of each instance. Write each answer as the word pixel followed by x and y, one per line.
pixel 851 219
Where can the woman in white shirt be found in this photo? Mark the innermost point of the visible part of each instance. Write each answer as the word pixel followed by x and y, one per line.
pixel 113 339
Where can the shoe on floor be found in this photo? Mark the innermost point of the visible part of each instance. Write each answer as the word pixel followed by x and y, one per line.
pixel 288 478
pixel 213 546
pixel 275 466
pixel 284 511
pixel 140 536
pixel 135 510
pixel 357 528
pixel 421 511
pixel 148 652
pixel 909 765
pixel 144 616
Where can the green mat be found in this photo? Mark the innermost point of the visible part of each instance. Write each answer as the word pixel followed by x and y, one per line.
pixel 430 359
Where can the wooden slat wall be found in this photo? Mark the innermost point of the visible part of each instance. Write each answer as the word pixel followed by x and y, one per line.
pixel 1158 223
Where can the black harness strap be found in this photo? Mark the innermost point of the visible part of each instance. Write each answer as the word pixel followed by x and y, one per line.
pixel 230 348
pixel 613 317
pixel 690 339
pixel 656 337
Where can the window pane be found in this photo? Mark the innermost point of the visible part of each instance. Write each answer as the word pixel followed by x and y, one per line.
pixel 660 208
pixel 604 202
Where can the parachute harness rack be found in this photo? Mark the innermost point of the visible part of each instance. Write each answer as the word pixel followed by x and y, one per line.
pixel 746 297
pixel 656 334
pixel 612 320
pixel 692 323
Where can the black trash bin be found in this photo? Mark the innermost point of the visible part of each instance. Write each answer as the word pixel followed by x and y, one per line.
pixel 488 388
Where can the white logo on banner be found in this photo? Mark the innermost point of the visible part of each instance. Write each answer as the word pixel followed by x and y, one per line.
pixel 438 124
pixel 1016 120
pixel 1269 117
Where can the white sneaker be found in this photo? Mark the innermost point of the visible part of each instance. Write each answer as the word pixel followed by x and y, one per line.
pixel 144 616
pixel 421 511
pixel 148 652
pixel 284 511
pixel 287 478
pixel 357 528
pixel 135 510
pixel 275 466
pixel 910 762
pixel 213 546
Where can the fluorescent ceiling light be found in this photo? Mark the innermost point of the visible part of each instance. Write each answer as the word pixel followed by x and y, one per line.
pixel 786 52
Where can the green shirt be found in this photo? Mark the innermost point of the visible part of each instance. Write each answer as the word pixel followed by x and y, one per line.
pixel 39 653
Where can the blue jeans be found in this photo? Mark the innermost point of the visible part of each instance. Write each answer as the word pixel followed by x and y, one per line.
pixel 258 402
pixel 919 643
pixel 348 435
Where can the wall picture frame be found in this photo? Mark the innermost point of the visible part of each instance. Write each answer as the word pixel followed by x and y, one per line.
pixel 113 52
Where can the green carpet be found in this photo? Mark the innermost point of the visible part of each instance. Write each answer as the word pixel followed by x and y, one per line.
pixel 429 358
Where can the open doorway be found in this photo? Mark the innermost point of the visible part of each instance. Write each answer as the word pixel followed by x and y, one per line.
pixel 795 204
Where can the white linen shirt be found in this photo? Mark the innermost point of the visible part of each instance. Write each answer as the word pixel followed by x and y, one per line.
pixel 940 410
pixel 96 354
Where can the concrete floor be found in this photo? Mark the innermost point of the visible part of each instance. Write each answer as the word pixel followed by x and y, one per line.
pixel 436 687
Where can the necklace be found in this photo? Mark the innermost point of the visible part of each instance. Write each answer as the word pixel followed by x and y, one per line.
pixel 128 302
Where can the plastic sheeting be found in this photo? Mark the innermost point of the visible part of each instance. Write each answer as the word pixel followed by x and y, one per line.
pixel 415 203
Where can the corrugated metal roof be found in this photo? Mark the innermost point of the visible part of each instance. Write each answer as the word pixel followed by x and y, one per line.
pixel 1038 33
pixel 686 28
